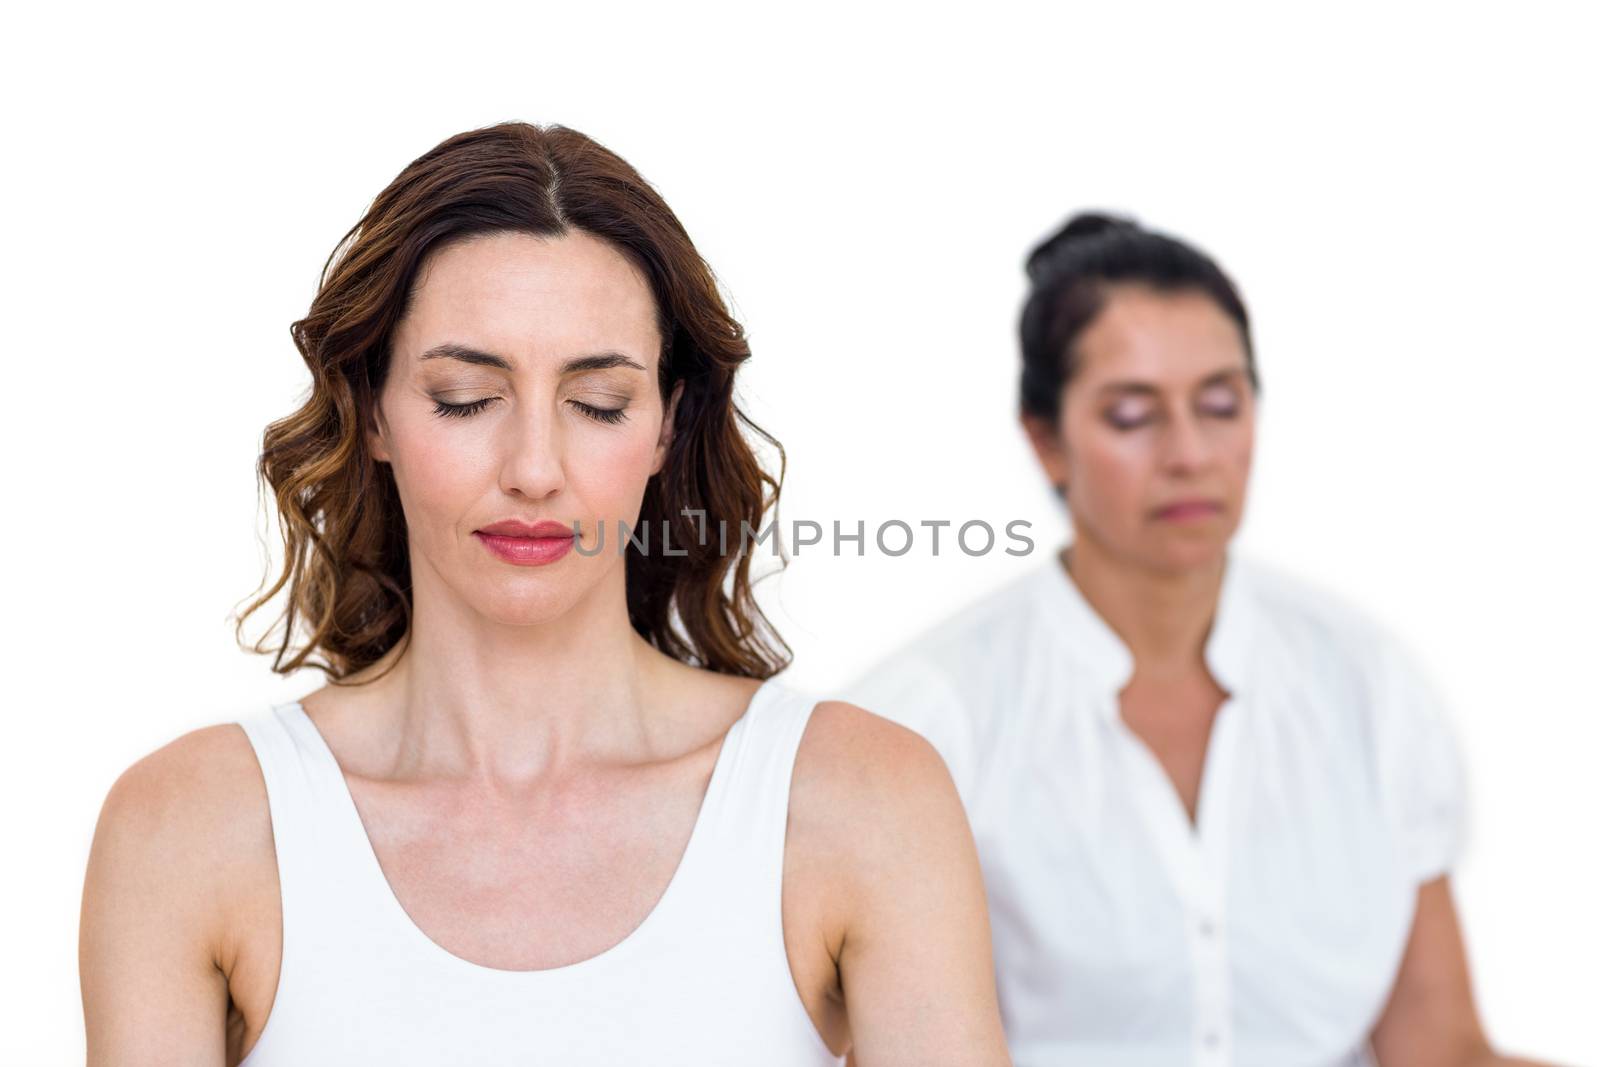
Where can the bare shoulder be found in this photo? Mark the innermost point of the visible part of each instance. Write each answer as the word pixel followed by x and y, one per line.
pixel 179 829
pixel 859 754
pixel 870 804
pixel 203 780
pixel 863 782
pixel 887 895
pixel 180 833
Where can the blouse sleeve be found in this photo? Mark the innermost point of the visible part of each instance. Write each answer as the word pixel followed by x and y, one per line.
pixel 916 693
pixel 1422 765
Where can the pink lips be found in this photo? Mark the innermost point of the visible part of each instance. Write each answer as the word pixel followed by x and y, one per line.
pixel 1189 510
pixel 526 544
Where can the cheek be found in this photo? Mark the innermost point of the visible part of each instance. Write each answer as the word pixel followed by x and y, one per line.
pixel 435 468
pixel 1113 469
pixel 1238 450
pixel 610 466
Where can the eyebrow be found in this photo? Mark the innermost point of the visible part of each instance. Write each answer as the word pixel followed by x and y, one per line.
pixel 596 361
pixel 1145 388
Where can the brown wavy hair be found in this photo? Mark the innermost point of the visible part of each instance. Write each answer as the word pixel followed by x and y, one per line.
pixel 346 563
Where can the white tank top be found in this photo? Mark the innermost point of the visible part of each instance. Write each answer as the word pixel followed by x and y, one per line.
pixel 704 979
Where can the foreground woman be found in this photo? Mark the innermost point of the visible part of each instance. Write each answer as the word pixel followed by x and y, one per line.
pixel 553 808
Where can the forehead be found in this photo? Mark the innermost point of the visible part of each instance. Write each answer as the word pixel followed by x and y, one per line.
pixel 531 298
pixel 1161 338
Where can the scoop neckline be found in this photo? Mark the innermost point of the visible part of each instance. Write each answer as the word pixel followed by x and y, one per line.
pixel 611 955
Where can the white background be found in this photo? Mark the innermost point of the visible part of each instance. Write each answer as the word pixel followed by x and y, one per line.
pixel 1405 195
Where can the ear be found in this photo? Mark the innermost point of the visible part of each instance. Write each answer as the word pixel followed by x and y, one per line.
pixel 378 437
pixel 1045 437
pixel 668 427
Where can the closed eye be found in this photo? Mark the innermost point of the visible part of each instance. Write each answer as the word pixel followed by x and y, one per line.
pixel 1129 417
pixel 600 415
pixel 1220 403
pixel 606 415
pixel 460 411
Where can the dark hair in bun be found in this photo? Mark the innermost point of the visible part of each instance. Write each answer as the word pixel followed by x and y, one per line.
pixel 1071 271
pixel 1082 225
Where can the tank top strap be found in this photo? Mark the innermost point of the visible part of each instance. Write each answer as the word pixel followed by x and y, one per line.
pixel 747 815
pixel 326 890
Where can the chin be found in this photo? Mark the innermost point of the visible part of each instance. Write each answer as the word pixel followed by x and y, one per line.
pixel 523 614
pixel 1190 551
pixel 528 603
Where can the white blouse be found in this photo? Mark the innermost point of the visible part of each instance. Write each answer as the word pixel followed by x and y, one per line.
pixel 1269 935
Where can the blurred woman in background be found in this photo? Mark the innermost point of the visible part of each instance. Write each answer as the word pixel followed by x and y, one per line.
pixel 1216 807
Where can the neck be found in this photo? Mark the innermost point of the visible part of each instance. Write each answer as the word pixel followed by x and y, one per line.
pixel 473 697
pixel 1163 617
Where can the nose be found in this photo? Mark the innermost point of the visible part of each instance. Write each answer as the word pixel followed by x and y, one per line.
pixel 1187 446
pixel 533 461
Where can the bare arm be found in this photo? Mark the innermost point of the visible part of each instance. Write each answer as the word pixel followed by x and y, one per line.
pixel 1431 1019
pixel 912 934
pixel 153 992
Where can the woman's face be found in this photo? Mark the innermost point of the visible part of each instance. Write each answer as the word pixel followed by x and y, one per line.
pixel 1156 431
pixel 522 386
